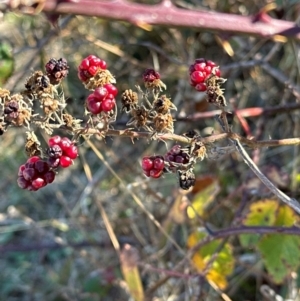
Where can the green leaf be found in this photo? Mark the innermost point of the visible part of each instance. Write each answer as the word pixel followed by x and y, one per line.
pixel 6 62
pixel 280 254
pixel 94 285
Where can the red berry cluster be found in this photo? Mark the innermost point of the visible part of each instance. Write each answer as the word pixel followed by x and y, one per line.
pixel 35 174
pixel 61 152
pixel 153 166
pixel 177 155
pixel 200 71
pixel 89 67
pixel 102 99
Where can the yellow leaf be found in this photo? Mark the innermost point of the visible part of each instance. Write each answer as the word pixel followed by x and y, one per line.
pixel 217 265
pixel 202 199
pixel 219 279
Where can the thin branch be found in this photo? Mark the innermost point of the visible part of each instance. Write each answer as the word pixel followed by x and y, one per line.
pixel 293 203
pixel 255 230
pixel 178 138
pixel 167 14
pixel 246 112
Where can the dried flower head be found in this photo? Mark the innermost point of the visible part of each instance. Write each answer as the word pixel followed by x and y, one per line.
pixel 38 82
pixel 163 105
pixel 140 118
pixel 23 118
pixel 163 123
pixel 129 100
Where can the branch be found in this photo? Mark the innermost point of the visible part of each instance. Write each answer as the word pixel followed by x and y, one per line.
pixel 293 203
pixel 178 138
pixel 223 233
pixel 166 14
pixel 247 112
pixel 255 230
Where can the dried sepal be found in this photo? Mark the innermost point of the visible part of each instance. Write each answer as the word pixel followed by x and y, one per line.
pixel 140 118
pixel 38 82
pixel 214 91
pixel 129 100
pixel 101 78
pixel 163 123
pixel 33 145
pixel 198 150
pixel 152 80
pixel 49 105
pixel 163 104
pixel 4 95
pixel 71 122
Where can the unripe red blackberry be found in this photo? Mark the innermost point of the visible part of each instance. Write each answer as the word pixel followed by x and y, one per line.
pixel 101 100
pixel 65 161
pixel 111 89
pixel 153 166
pixel 200 70
pixel 89 67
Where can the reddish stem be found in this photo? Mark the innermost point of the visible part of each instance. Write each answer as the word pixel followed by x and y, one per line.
pixel 167 14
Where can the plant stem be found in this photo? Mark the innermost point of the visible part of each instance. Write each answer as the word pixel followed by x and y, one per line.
pixel 167 14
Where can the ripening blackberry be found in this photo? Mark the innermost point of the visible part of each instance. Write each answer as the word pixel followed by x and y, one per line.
pixel 176 155
pixel 200 70
pixel 61 152
pixel 153 166
pixel 89 67
pixel 35 174
pixel 57 70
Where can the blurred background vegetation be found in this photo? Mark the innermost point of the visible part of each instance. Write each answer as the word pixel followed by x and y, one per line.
pixel 54 243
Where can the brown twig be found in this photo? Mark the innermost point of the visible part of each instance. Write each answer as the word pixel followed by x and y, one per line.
pixel 178 138
pixel 168 14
